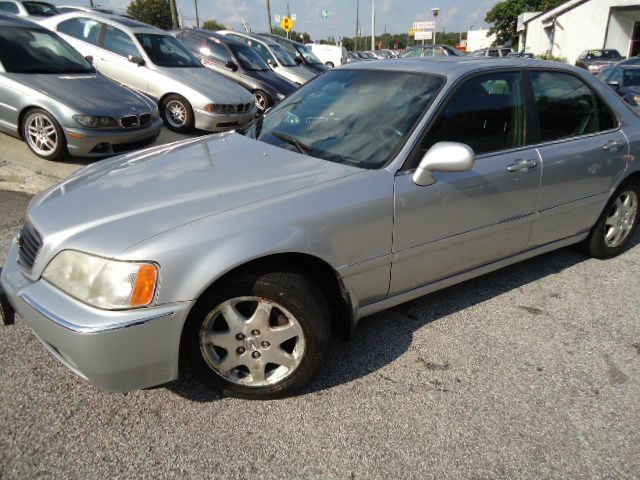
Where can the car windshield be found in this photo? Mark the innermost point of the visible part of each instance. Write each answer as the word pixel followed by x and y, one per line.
pixel 603 55
pixel 40 9
pixel 282 56
pixel 31 50
pixel 632 78
pixel 248 58
pixel 166 51
pixel 328 119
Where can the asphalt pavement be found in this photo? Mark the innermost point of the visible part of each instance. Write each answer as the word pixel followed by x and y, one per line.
pixel 529 372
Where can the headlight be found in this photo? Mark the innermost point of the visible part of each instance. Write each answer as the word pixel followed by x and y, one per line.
pixel 92 121
pixel 103 283
pixel 155 113
pixel 281 96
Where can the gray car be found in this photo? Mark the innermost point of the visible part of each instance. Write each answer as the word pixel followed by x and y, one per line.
pixel 153 62
pixel 244 252
pixel 275 56
pixel 53 99
pixel 28 8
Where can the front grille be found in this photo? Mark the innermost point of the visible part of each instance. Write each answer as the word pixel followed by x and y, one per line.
pixel 239 108
pixel 145 119
pixel 29 243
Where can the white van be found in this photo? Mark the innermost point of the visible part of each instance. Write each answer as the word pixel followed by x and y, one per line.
pixel 330 55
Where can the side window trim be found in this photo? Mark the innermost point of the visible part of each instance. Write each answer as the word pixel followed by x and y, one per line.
pixel 411 161
pixel 538 143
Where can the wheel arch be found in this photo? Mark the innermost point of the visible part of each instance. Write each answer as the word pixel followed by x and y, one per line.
pixel 24 112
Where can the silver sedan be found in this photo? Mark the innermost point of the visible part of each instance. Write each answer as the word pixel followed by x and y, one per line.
pixel 153 62
pixel 53 99
pixel 245 252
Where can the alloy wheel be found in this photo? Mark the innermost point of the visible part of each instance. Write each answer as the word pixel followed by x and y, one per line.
pixel 621 219
pixel 176 114
pixel 252 341
pixel 261 101
pixel 42 135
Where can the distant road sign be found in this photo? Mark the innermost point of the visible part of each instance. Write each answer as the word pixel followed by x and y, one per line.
pixel 424 35
pixel 424 25
pixel 294 17
pixel 287 24
pixel 324 14
pixel 278 18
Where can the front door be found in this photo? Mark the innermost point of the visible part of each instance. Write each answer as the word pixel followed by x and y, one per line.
pixel 468 219
pixel 584 154
pixel 113 60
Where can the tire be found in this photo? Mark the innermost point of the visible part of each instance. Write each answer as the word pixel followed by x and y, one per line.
pixel 263 100
pixel 618 222
pixel 43 135
pixel 231 363
pixel 177 113
pixel 330 64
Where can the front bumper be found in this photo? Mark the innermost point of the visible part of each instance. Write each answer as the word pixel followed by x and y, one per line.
pixel 220 122
pixel 117 351
pixel 101 143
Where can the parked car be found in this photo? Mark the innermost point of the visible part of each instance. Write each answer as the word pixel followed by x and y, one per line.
pixel 275 56
pixel 153 62
pixel 243 252
pixel 596 60
pixel 238 62
pixel 625 81
pixel 432 51
pixel 498 52
pixel 353 57
pixel 366 55
pixel 28 8
pixel 528 55
pixel 54 100
pixel 79 8
pixel 331 55
pixel 297 50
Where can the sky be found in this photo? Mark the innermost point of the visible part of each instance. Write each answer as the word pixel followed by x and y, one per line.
pixel 397 15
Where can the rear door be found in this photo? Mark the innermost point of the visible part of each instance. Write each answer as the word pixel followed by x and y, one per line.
pixel 584 154
pixel 468 219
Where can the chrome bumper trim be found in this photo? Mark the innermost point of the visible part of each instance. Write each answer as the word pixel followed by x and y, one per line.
pixel 88 329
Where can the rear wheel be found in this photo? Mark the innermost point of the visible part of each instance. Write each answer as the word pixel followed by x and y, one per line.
pixel 259 336
pixel 177 113
pixel 43 135
pixel 617 224
pixel 263 101
pixel 330 64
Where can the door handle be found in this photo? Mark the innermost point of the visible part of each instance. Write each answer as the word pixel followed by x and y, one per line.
pixel 522 165
pixel 613 146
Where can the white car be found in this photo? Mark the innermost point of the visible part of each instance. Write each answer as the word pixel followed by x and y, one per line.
pixel 330 55
pixel 153 62
pixel 28 8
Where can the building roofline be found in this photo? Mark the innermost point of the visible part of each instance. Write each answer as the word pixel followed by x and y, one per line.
pixel 559 10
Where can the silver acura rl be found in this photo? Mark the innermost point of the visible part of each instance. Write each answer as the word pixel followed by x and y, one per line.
pixel 244 252
pixel 52 98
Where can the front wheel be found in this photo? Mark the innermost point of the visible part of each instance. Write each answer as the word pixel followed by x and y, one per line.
pixel 260 336
pixel 177 113
pixel 44 135
pixel 617 223
pixel 263 101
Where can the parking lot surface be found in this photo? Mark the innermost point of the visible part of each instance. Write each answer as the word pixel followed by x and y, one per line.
pixel 529 372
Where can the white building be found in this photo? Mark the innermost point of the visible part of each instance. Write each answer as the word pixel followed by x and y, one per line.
pixel 477 39
pixel 578 25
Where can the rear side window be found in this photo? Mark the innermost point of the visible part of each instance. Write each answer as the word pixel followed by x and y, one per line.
pixel 192 42
pixel 118 42
pixel 487 113
pixel 9 7
pixel 216 52
pixel 567 107
pixel 494 53
pixel 68 26
pixel 86 30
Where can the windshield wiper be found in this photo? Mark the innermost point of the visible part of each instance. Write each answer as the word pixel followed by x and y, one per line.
pixel 293 141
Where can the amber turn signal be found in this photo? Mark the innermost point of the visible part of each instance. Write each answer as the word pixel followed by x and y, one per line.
pixel 145 287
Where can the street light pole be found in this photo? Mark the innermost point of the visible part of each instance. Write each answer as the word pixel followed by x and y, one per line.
pixel 269 15
pixel 373 24
pixel 174 13
pixel 435 12
pixel 195 2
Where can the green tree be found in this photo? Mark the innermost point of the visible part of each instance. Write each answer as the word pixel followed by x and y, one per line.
pixel 153 12
pixel 213 25
pixel 504 16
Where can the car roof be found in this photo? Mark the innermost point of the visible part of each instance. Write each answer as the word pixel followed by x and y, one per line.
pixel 211 34
pixel 456 66
pixel 7 20
pixel 252 36
pixel 281 38
pixel 129 24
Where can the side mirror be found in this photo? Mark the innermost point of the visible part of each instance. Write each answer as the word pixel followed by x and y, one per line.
pixel 299 60
pixel 272 63
pixel 89 58
pixel 614 84
pixel 231 65
pixel 444 157
pixel 136 59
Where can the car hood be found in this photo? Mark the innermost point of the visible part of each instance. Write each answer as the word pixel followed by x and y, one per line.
pixel 114 204
pixel 212 85
pixel 275 81
pixel 92 94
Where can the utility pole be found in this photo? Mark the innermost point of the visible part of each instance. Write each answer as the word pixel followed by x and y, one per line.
pixel 195 2
pixel 357 23
pixel 288 15
pixel 373 24
pixel 269 15
pixel 174 13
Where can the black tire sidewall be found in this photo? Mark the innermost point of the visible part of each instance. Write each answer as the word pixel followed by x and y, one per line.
pixel 595 242
pixel 61 150
pixel 307 307
pixel 189 124
pixel 267 98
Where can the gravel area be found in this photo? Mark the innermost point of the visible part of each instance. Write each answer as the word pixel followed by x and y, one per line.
pixel 530 372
